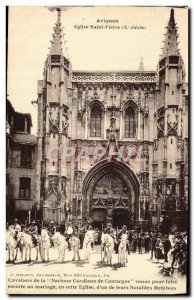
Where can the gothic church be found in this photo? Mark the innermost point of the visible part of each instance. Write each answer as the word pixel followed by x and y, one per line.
pixel 113 146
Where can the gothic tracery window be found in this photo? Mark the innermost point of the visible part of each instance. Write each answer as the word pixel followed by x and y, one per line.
pixel 96 121
pixel 130 126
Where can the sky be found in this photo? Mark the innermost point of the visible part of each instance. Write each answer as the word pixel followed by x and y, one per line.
pixel 30 31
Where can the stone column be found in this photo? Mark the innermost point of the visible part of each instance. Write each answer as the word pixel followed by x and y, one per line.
pixel 47 118
pixel 165 148
pixel 105 122
pixel 165 121
pixel 61 84
pixel 139 125
pixel 86 124
pixel 121 124
pixel 179 121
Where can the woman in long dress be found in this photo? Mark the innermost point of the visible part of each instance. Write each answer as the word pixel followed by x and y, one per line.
pixel 159 250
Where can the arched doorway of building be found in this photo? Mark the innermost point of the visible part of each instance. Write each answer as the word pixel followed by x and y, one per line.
pixel 111 194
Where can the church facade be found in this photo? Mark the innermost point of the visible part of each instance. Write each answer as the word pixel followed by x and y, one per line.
pixel 113 146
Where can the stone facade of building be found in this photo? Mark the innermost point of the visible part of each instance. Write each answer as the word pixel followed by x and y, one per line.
pixel 21 147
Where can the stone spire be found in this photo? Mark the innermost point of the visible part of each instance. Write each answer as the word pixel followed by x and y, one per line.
pixel 56 47
pixel 141 65
pixel 170 43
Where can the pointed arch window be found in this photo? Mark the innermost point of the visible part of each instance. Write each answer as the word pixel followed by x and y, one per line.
pixel 96 121
pixel 130 124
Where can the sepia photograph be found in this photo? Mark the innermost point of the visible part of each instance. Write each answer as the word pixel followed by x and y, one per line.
pixel 97 141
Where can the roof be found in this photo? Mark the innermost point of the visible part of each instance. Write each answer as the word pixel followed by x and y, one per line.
pixel 171 38
pixel 9 107
pixel 24 115
pixel 22 138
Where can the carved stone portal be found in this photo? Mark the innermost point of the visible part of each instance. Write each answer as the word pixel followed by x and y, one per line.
pixel 110 194
pixel 111 190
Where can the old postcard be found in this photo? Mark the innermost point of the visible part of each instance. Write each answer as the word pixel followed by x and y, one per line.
pixel 97 150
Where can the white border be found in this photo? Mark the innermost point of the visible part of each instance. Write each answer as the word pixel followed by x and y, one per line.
pixel 3 97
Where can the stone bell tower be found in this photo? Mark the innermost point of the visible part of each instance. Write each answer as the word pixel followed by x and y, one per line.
pixel 53 128
pixel 168 154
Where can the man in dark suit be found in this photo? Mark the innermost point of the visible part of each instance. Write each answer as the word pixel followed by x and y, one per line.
pixel 153 245
pixel 167 247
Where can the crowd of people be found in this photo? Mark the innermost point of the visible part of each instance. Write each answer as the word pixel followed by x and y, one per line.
pixel 168 248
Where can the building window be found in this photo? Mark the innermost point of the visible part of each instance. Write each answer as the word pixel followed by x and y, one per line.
pixel 130 128
pixel 170 166
pixel 96 121
pixel 26 157
pixel 74 208
pixel 24 190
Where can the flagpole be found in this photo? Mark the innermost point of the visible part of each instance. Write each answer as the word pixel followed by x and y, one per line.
pixel 29 216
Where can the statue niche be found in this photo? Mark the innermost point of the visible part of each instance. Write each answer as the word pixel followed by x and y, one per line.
pixel 172 121
pixel 54 119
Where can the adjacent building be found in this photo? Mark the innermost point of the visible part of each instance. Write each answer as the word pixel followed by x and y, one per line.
pixel 20 165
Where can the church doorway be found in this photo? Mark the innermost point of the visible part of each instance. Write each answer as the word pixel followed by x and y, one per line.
pixel 111 195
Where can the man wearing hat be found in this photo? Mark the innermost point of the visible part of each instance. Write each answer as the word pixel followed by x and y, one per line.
pixel 51 231
pixel 140 242
pixel 68 233
pixel 112 233
pixel 52 228
pixel 16 226
pixel 167 247
pixel 111 230
pixel 33 231
pixel 87 225
pixel 90 233
pixel 153 241
pixel 147 242
pixel 122 232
